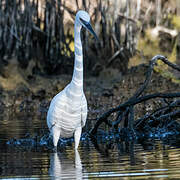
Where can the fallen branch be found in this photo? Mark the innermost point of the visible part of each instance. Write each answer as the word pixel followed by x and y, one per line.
pixel 158 112
pixel 126 110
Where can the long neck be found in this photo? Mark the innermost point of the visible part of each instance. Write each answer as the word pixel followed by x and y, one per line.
pixel 76 84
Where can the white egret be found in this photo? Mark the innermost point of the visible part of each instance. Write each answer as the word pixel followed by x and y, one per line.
pixel 68 109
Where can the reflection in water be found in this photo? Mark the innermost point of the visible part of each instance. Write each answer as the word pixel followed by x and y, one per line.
pixel 62 167
pixel 110 159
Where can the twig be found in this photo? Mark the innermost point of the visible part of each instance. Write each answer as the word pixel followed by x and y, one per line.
pixel 157 112
pixel 114 56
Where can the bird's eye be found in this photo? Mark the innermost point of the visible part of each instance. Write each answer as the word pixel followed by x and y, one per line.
pixel 84 22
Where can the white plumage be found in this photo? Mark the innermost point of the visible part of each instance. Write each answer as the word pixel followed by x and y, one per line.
pixel 68 109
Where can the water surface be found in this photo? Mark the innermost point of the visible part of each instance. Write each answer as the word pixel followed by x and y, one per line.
pixel 120 160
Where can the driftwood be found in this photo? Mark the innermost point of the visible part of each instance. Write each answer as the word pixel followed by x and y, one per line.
pixel 125 111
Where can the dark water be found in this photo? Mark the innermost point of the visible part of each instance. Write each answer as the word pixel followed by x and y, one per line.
pixel 121 160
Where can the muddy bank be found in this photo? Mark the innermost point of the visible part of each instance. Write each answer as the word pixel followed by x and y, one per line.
pixel 25 95
pixel 28 94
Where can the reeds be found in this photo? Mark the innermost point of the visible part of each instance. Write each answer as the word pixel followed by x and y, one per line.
pixel 27 33
pixel 35 29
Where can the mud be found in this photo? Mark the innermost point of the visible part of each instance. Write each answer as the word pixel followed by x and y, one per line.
pixel 31 94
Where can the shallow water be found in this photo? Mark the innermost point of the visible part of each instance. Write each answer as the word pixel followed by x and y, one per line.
pixel 120 160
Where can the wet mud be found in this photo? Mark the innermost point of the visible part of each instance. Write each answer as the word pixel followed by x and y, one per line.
pixel 111 88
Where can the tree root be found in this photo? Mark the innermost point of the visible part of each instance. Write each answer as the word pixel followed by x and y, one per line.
pixel 125 111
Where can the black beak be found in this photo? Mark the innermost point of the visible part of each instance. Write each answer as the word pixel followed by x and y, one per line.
pixel 89 27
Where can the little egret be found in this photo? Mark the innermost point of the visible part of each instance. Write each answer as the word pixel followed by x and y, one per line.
pixel 68 109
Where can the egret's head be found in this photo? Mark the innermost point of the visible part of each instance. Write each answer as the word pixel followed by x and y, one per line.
pixel 84 19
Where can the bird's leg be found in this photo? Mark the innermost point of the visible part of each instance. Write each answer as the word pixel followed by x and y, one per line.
pixel 77 160
pixel 77 136
pixel 56 134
